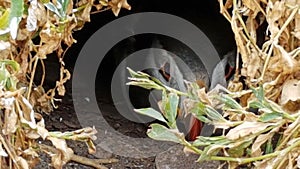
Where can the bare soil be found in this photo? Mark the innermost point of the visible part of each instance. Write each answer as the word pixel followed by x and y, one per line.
pixel 65 119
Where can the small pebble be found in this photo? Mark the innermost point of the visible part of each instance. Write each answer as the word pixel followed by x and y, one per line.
pixel 87 99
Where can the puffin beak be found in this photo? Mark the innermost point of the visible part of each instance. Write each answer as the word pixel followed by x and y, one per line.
pixel 221 74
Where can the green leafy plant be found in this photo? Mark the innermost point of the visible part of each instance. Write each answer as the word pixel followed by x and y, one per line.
pixel 7 78
pixel 11 18
pixel 263 138
pixel 60 9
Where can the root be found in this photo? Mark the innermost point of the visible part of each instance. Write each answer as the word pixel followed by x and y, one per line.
pixel 96 163
pixel 93 162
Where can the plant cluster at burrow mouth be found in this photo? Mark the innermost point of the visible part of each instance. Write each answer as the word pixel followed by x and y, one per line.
pixel 29 32
pixel 261 112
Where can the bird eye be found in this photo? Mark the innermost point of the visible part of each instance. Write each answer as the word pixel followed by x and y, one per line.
pixel 165 71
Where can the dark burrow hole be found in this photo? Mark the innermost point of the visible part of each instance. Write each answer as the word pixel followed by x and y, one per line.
pixel 203 14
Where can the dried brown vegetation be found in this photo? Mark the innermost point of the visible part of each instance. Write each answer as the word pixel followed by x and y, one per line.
pixel 29 32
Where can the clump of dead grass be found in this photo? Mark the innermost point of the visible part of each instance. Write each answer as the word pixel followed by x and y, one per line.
pixel 30 31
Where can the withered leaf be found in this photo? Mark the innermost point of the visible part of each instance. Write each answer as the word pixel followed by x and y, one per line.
pixel 66 155
pixel 247 128
pixel 50 41
pixel 259 141
pixel 22 162
pixel 10 124
pixel 2 151
pixel 64 77
pixel 290 91
pixel 116 6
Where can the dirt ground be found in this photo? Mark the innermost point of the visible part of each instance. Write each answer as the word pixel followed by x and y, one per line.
pixel 65 119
